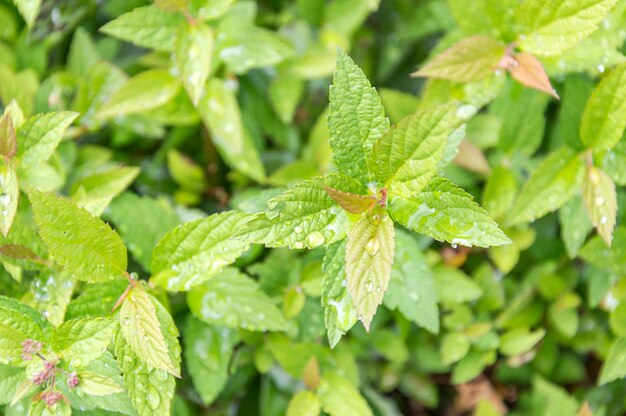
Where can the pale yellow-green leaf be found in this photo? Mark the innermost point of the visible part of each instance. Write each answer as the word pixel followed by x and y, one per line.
pixel 39 136
pixel 193 47
pixel 146 91
pixel 601 202
pixel 142 331
pixel 604 119
pixel 472 59
pixel 369 256
pixel 79 341
pixel 547 27
pixel 304 403
pixel 339 397
pixel 29 9
pixel 97 384
pixel 94 192
pixel 9 195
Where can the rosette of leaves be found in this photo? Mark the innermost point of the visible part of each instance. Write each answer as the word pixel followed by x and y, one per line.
pixel 385 175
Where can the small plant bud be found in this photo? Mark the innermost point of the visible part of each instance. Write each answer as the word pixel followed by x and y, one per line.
pixel 52 397
pixel 29 348
pixel 49 367
pixel 72 380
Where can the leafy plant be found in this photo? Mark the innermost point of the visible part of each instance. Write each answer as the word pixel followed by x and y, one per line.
pixel 200 199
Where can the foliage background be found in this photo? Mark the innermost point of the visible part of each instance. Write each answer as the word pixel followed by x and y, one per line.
pixel 184 111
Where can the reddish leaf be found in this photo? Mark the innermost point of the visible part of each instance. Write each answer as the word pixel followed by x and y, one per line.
pixel 353 203
pixel 529 72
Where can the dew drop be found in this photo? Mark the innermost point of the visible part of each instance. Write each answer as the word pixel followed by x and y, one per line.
pixel 298 245
pixel 298 229
pixel 454 245
pixel 5 199
pixel 599 201
pixel 315 239
pixel 604 220
pixel 369 286
pixel 153 398
pixel 372 246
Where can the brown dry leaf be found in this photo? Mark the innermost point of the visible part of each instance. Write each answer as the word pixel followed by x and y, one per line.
pixel 353 203
pixel 471 59
pixel 8 142
pixel 585 410
pixel 530 73
pixel 471 393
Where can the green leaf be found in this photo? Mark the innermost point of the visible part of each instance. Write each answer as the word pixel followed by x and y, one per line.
pixel 9 196
pixel 284 93
pixel 49 293
pixel 445 212
pixel 411 289
pixel 29 9
pixel 147 26
pixel 83 53
pixel 95 191
pixel 40 135
pixel 208 351
pixel 549 187
pixel 242 47
pixel 192 57
pixel 499 192
pixel 356 120
pixel 522 114
pixel 18 323
pixel 195 251
pixel 10 378
pixel 221 114
pixel 234 300
pixel 601 202
pixel 96 300
pixel 185 172
pixel 146 91
pixel 211 9
pixel 143 333
pixel 81 341
pixel 454 346
pixel 151 390
pixel 454 286
pixel 613 368
pixel 549 27
pixel 472 59
pixel 97 385
pixel 604 119
pixel 596 252
pixel 339 397
pixel 406 156
pixel 551 399
pixel 369 256
pixel 304 403
pixel 339 311
pixel 142 221
pixel 303 216
pixel 84 245
pixel 520 340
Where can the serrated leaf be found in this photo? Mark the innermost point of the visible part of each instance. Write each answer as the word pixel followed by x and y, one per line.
pixel 84 245
pixel 81 341
pixel 529 72
pixel 9 196
pixel 304 403
pixel 339 311
pixel 445 212
pixel 95 191
pixel 29 9
pixel 147 26
pixel 195 251
pixel 96 300
pixel 613 368
pixel 472 59
pixel 454 286
pixel 214 303
pixel 356 120
pixel 601 202
pixel 142 331
pixel 550 186
pixel 193 48
pixel 97 385
pixel 18 323
pixel 142 222
pixel 369 256
pixel 353 203
pixel 549 27
pixel 151 390
pixel 49 293
pixel 221 114
pixel 8 140
pixel 303 216
pixel 406 156
pixel 411 289
pixel 339 397
pixel 208 351
pixel 604 118
pixel 145 91
pixel 39 136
